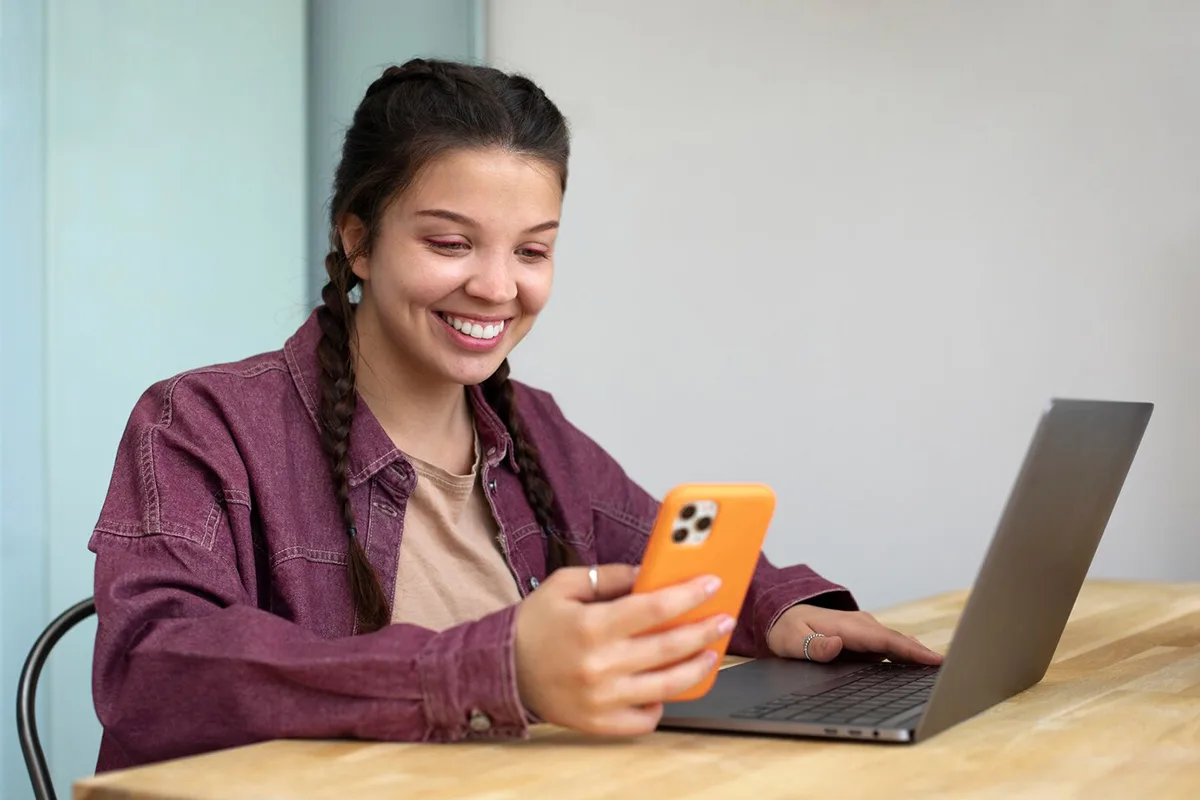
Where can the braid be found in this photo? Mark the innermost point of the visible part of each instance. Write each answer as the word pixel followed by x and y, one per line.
pixel 498 389
pixel 337 412
pixel 413 70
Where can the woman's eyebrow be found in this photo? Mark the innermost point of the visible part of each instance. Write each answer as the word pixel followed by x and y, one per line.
pixel 462 219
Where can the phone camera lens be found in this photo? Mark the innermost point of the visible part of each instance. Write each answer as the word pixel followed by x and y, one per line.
pixel 688 512
pixel 679 535
pixel 703 523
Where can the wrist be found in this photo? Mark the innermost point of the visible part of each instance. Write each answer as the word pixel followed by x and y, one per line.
pixel 469 682
pixel 777 631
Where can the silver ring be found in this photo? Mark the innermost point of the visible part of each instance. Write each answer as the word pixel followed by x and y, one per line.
pixel 808 639
pixel 594 579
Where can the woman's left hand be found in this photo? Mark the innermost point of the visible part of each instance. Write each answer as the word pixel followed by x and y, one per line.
pixel 846 633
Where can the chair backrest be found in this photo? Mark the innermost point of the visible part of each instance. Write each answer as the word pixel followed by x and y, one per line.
pixel 27 734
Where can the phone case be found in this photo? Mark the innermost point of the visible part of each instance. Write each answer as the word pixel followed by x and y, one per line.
pixel 708 529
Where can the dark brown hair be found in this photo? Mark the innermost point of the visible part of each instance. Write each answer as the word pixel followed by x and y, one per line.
pixel 408 116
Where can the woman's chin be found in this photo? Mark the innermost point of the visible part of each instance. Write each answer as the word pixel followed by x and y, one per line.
pixel 468 372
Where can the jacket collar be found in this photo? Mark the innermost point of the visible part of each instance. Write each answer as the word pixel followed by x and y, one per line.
pixel 371 449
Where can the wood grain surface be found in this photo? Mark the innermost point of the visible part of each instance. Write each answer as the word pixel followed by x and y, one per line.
pixel 1117 716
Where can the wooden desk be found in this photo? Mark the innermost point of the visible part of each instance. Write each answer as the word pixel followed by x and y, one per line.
pixel 1118 716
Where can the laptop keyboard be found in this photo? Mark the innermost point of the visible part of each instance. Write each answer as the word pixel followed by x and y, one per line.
pixel 869 696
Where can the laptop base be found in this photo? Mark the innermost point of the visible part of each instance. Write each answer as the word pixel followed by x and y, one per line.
pixel 853 700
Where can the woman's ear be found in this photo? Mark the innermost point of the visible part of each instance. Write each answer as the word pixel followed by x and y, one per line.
pixel 353 235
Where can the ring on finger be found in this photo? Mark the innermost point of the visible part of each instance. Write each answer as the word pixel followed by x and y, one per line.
pixel 807 640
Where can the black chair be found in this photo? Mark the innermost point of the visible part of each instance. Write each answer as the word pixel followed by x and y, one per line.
pixel 31 745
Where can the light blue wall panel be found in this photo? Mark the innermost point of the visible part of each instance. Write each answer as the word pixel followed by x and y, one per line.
pixel 176 235
pixel 164 167
pixel 22 376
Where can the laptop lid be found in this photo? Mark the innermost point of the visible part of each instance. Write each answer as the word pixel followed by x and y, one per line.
pixel 1039 557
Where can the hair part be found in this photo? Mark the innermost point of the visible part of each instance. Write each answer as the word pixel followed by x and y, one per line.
pixel 409 116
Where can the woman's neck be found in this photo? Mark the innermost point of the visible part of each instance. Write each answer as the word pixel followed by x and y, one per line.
pixel 430 420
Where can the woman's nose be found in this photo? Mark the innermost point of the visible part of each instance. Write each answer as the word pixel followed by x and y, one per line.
pixel 492 280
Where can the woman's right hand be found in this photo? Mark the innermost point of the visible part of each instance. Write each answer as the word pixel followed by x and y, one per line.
pixel 589 663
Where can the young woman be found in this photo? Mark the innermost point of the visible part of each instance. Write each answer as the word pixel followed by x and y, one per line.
pixel 374 532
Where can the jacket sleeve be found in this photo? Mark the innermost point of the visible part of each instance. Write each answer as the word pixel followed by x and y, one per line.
pixel 623 515
pixel 186 661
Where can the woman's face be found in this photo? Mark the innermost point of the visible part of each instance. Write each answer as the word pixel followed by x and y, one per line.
pixel 462 263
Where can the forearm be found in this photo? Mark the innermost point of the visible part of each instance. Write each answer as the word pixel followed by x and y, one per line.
pixel 241 675
pixel 186 665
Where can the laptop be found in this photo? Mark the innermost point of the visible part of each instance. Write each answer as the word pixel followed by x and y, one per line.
pixel 1005 638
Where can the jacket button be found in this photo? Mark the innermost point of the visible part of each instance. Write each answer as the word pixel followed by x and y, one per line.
pixel 491 486
pixel 479 721
pixel 533 583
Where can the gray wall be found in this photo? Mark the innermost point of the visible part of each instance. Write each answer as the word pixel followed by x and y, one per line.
pixel 850 249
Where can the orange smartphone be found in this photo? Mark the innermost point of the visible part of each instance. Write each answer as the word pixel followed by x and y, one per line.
pixel 708 529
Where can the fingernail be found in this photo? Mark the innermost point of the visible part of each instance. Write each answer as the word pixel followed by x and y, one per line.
pixel 710 657
pixel 712 585
pixel 726 625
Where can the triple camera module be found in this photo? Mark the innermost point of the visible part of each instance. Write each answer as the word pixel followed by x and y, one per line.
pixel 694 522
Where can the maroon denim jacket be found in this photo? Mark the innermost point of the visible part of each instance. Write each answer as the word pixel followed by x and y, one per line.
pixel 224 612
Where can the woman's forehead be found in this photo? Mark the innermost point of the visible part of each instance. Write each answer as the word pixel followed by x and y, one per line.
pixel 491 187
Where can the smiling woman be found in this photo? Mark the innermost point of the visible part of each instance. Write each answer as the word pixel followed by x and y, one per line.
pixel 251 581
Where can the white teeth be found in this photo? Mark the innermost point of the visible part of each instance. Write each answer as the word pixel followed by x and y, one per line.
pixel 474 329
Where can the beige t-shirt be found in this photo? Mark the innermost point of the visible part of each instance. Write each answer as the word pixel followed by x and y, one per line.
pixel 451 569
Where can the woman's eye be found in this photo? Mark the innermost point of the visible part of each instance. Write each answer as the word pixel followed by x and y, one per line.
pixel 531 254
pixel 439 244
